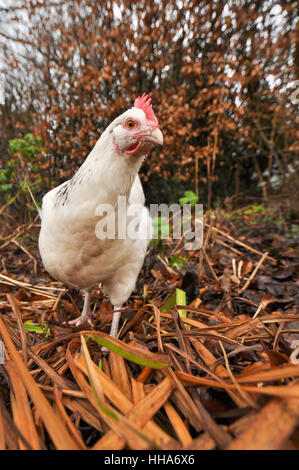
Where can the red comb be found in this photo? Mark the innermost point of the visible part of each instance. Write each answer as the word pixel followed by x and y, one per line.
pixel 144 102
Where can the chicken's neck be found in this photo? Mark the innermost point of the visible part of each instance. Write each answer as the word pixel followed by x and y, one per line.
pixel 106 174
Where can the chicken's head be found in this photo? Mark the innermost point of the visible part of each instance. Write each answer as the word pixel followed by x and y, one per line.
pixel 137 130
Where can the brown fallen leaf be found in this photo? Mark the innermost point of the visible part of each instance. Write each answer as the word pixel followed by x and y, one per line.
pixel 271 427
pixel 51 420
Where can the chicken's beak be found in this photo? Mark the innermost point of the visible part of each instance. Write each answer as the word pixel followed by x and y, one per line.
pixel 156 137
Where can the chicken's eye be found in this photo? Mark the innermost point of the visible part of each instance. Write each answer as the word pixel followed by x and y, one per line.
pixel 130 124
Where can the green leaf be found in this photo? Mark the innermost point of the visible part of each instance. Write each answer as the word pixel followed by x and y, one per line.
pixel 169 304
pixel 28 325
pixel 6 187
pixel 180 297
pixel 254 208
pixel 189 198
pixel 178 261
pixel 3 175
pixel 153 360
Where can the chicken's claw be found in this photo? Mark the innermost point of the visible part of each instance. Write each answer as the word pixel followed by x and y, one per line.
pixel 82 320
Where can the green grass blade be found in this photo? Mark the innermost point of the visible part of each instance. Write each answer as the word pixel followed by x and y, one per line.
pixel 181 300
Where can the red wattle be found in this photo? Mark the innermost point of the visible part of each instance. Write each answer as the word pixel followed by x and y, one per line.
pixel 134 148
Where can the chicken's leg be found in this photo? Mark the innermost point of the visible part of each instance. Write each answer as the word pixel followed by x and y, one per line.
pixel 86 314
pixel 115 320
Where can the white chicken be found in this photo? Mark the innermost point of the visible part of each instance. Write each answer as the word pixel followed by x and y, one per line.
pixel 70 248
